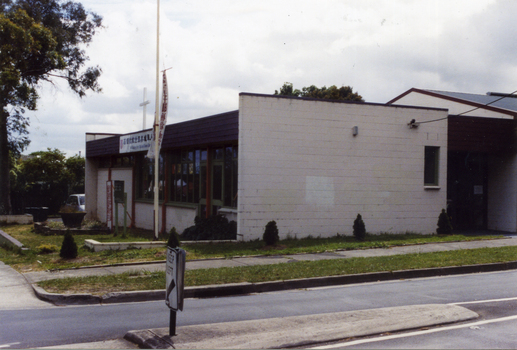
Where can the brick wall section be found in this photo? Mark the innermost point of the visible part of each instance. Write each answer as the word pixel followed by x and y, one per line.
pixel 300 165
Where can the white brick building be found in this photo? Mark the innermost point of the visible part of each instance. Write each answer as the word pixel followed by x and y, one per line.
pixel 310 165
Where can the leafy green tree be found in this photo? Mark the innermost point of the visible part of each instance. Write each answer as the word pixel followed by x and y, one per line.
pixel 41 40
pixel 75 166
pixel 46 178
pixel 344 93
pixel 288 90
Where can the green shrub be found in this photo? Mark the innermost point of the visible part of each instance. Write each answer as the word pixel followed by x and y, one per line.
pixel 444 224
pixel 215 227
pixel 68 248
pixel 174 238
pixel 270 235
pixel 47 248
pixel 359 228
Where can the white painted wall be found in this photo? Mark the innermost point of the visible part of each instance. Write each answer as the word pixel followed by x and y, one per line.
pixel 144 216
pixel 502 193
pixel 416 98
pixel 300 166
pixel 102 175
pixel 178 217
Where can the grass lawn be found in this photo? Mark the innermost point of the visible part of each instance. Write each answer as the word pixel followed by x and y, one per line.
pixel 146 280
pixel 43 253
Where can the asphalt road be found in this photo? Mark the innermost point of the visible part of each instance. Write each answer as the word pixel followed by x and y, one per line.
pixel 74 324
pixel 494 329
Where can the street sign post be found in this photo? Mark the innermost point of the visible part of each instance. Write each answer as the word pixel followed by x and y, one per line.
pixel 120 198
pixel 174 278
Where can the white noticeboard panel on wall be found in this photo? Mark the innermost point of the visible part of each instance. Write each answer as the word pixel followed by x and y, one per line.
pixel 174 278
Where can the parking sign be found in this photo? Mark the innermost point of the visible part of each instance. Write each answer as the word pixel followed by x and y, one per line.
pixel 174 277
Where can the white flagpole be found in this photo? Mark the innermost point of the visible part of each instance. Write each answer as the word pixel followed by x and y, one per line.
pixel 156 124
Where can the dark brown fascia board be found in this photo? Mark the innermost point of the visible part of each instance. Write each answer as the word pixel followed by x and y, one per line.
pixel 453 99
pixel 175 124
pixel 102 133
pixel 340 101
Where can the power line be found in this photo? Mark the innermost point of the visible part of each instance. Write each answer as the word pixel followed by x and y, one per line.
pixel 471 110
pixel 488 104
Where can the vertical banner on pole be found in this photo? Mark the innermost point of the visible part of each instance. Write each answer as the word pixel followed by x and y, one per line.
pixel 163 119
pixel 109 204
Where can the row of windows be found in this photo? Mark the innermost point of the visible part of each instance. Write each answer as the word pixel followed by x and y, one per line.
pixel 117 162
pixel 190 175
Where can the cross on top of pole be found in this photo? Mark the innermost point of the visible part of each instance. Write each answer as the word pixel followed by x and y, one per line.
pixel 144 104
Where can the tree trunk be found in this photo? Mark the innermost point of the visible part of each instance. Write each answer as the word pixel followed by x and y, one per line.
pixel 5 195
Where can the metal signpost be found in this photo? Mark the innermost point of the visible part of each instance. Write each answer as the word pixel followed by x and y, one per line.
pixel 120 198
pixel 109 205
pixel 174 277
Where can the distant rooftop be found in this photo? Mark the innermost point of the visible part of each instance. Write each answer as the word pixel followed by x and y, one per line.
pixel 502 100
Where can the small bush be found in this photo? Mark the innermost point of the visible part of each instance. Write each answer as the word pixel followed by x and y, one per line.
pixel 270 235
pixel 174 238
pixel 68 248
pixel 47 248
pixel 215 227
pixel 359 228
pixel 444 224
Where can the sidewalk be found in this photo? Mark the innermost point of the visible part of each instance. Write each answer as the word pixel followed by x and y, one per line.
pixel 246 288
pixel 269 333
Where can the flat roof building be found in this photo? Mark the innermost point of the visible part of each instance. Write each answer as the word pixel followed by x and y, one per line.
pixel 310 165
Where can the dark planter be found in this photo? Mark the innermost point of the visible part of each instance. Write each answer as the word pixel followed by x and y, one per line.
pixel 72 220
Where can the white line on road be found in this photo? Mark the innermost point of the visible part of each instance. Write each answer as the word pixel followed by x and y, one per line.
pixel 8 345
pixel 405 335
pixel 483 301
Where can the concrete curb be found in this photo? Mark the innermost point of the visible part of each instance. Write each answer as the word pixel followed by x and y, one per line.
pixel 219 290
pixel 297 331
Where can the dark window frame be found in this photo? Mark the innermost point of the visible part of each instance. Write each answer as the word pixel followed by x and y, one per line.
pixel 431 166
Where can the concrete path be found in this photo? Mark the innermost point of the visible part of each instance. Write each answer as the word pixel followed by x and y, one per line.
pixel 37 276
pixel 16 292
pixel 296 331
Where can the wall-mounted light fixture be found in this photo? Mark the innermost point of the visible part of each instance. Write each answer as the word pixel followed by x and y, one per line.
pixel 413 124
pixel 355 130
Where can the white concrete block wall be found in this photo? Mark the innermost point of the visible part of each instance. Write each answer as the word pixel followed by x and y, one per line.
pixel 502 195
pixel 300 165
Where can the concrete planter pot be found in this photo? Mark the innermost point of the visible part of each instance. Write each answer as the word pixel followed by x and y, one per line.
pixel 72 220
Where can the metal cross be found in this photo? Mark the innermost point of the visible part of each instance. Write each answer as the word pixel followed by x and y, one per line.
pixel 144 104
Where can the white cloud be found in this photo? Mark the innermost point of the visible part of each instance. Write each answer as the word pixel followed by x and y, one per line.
pixel 219 48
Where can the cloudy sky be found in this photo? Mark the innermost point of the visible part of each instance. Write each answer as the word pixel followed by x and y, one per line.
pixel 217 49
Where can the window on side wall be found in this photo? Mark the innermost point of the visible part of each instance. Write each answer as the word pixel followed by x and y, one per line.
pixel 431 165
